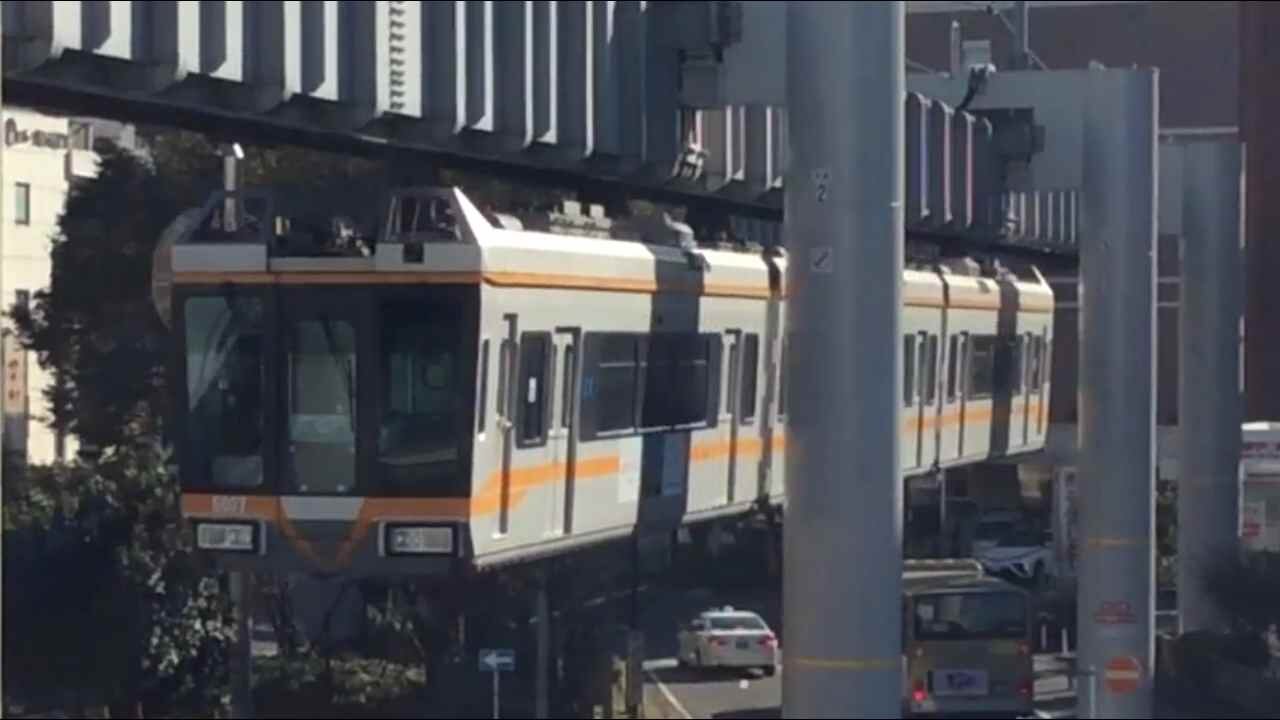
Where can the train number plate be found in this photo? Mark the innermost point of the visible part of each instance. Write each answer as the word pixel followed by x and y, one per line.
pixel 230 504
pixel 959 682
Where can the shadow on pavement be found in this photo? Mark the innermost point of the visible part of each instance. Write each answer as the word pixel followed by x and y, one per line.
pixel 755 714
pixel 690 676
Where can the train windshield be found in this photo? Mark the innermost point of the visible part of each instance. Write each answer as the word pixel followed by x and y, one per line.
pixel 225 369
pixel 425 395
pixel 333 391
pixel 321 384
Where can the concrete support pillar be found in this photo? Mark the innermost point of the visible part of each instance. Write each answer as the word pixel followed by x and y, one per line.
pixel 842 573
pixel 1210 400
pixel 1117 391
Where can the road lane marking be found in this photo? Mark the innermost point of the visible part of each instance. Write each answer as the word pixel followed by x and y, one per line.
pixel 669 696
pixel 867 664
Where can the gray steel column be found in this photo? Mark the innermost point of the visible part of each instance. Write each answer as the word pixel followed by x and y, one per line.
pixel 542 683
pixel 1117 389
pixel 1209 370
pixel 3 212
pixel 844 228
pixel 242 653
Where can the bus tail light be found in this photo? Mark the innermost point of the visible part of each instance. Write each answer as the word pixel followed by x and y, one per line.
pixel 918 693
pixel 1025 687
pixel 1024 649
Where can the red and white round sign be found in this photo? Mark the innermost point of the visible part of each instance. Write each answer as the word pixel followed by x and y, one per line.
pixel 1123 675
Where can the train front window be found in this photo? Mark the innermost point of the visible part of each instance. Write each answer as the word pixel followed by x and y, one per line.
pixel 321 386
pixel 425 398
pixel 225 392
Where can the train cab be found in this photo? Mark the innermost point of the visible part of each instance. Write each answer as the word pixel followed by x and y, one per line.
pixel 463 391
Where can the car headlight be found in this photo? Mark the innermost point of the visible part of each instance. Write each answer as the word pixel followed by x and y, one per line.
pixel 419 540
pixel 227 537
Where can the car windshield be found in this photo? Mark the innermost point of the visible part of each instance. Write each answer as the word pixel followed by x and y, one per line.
pixel 971 616
pixel 736 622
pixel 993 530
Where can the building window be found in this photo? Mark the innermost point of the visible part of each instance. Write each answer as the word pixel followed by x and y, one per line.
pixel 81 135
pixel 22 204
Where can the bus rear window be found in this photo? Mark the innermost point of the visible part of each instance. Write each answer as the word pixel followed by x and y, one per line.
pixel 970 616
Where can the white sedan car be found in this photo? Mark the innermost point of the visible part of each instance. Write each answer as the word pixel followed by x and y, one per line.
pixel 728 638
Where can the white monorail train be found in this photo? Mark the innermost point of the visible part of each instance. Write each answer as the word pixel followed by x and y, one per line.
pixel 472 393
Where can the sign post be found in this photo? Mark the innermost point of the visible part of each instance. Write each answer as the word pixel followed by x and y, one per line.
pixel 497 662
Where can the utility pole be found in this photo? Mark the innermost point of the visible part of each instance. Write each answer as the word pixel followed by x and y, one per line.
pixel 842 575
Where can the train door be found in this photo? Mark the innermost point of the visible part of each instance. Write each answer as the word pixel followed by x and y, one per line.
pixel 1022 366
pixel 923 397
pixel 948 437
pixel 746 416
pixel 564 435
pixel 962 389
pixel 1042 382
pixel 732 381
pixel 507 407
pixel 535 398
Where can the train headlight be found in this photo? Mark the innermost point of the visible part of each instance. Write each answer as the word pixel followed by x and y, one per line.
pixel 227 537
pixel 419 540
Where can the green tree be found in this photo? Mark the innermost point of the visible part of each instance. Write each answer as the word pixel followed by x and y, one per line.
pixel 115 608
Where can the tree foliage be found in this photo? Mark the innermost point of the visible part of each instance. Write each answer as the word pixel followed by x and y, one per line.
pixel 114 604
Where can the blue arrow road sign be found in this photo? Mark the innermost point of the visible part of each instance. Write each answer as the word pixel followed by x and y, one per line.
pixel 497 660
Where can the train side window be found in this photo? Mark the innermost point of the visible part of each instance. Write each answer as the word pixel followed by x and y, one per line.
pixel 931 370
pixel 981 367
pixel 953 366
pixel 1015 364
pixel 908 370
pixel 610 384
pixel 750 369
pixel 534 389
pixel 1036 373
pixel 482 396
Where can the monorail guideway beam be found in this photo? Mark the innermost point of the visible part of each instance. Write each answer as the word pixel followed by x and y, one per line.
pixel 844 229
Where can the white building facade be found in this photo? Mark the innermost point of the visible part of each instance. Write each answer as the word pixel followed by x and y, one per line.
pixel 44 155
